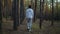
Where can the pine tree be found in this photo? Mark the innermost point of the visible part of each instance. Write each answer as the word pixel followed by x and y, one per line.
pixel 52 10
pixel 41 12
pixel 35 8
pixel 0 16
pixel 21 11
pixel 15 14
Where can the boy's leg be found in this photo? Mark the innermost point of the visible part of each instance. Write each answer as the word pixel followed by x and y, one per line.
pixel 30 24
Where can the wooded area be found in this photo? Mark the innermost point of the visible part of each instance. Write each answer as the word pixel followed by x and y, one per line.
pixel 15 10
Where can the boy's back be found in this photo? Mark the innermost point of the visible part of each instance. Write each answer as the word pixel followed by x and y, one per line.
pixel 29 13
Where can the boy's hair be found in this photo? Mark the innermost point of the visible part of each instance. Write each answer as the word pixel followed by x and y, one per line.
pixel 29 6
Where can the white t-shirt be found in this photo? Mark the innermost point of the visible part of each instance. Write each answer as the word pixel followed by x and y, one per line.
pixel 29 13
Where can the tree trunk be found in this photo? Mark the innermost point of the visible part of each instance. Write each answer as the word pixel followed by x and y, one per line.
pixel 52 10
pixel 41 11
pixel 35 10
pixel 21 11
pixel 15 14
pixel 0 16
pixel 46 9
pixel 57 9
pixel 5 6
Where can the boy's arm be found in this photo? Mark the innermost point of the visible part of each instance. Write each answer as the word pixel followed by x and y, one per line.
pixel 33 13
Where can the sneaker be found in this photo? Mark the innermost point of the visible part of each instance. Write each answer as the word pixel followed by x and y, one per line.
pixel 28 30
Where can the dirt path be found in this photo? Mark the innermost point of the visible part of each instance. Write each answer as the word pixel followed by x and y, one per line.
pixel 22 29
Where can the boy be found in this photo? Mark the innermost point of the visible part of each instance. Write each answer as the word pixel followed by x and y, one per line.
pixel 29 17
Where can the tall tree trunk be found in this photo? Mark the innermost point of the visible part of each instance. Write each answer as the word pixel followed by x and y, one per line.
pixel 46 13
pixel 52 10
pixel 21 11
pixel 5 5
pixel 35 10
pixel 41 12
pixel 15 14
pixel 7 9
pixel 18 12
pixel 2 6
pixel 0 16
pixel 57 9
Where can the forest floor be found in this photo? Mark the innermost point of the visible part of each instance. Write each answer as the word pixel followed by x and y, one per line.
pixel 7 27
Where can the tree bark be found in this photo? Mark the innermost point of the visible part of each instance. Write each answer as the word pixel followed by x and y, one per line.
pixel 41 12
pixel 52 10
pixel 15 14
pixel 0 15
pixel 21 11
pixel 35 8
pixel 57 9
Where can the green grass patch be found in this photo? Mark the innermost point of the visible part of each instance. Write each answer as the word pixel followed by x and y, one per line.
pixel 35 26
